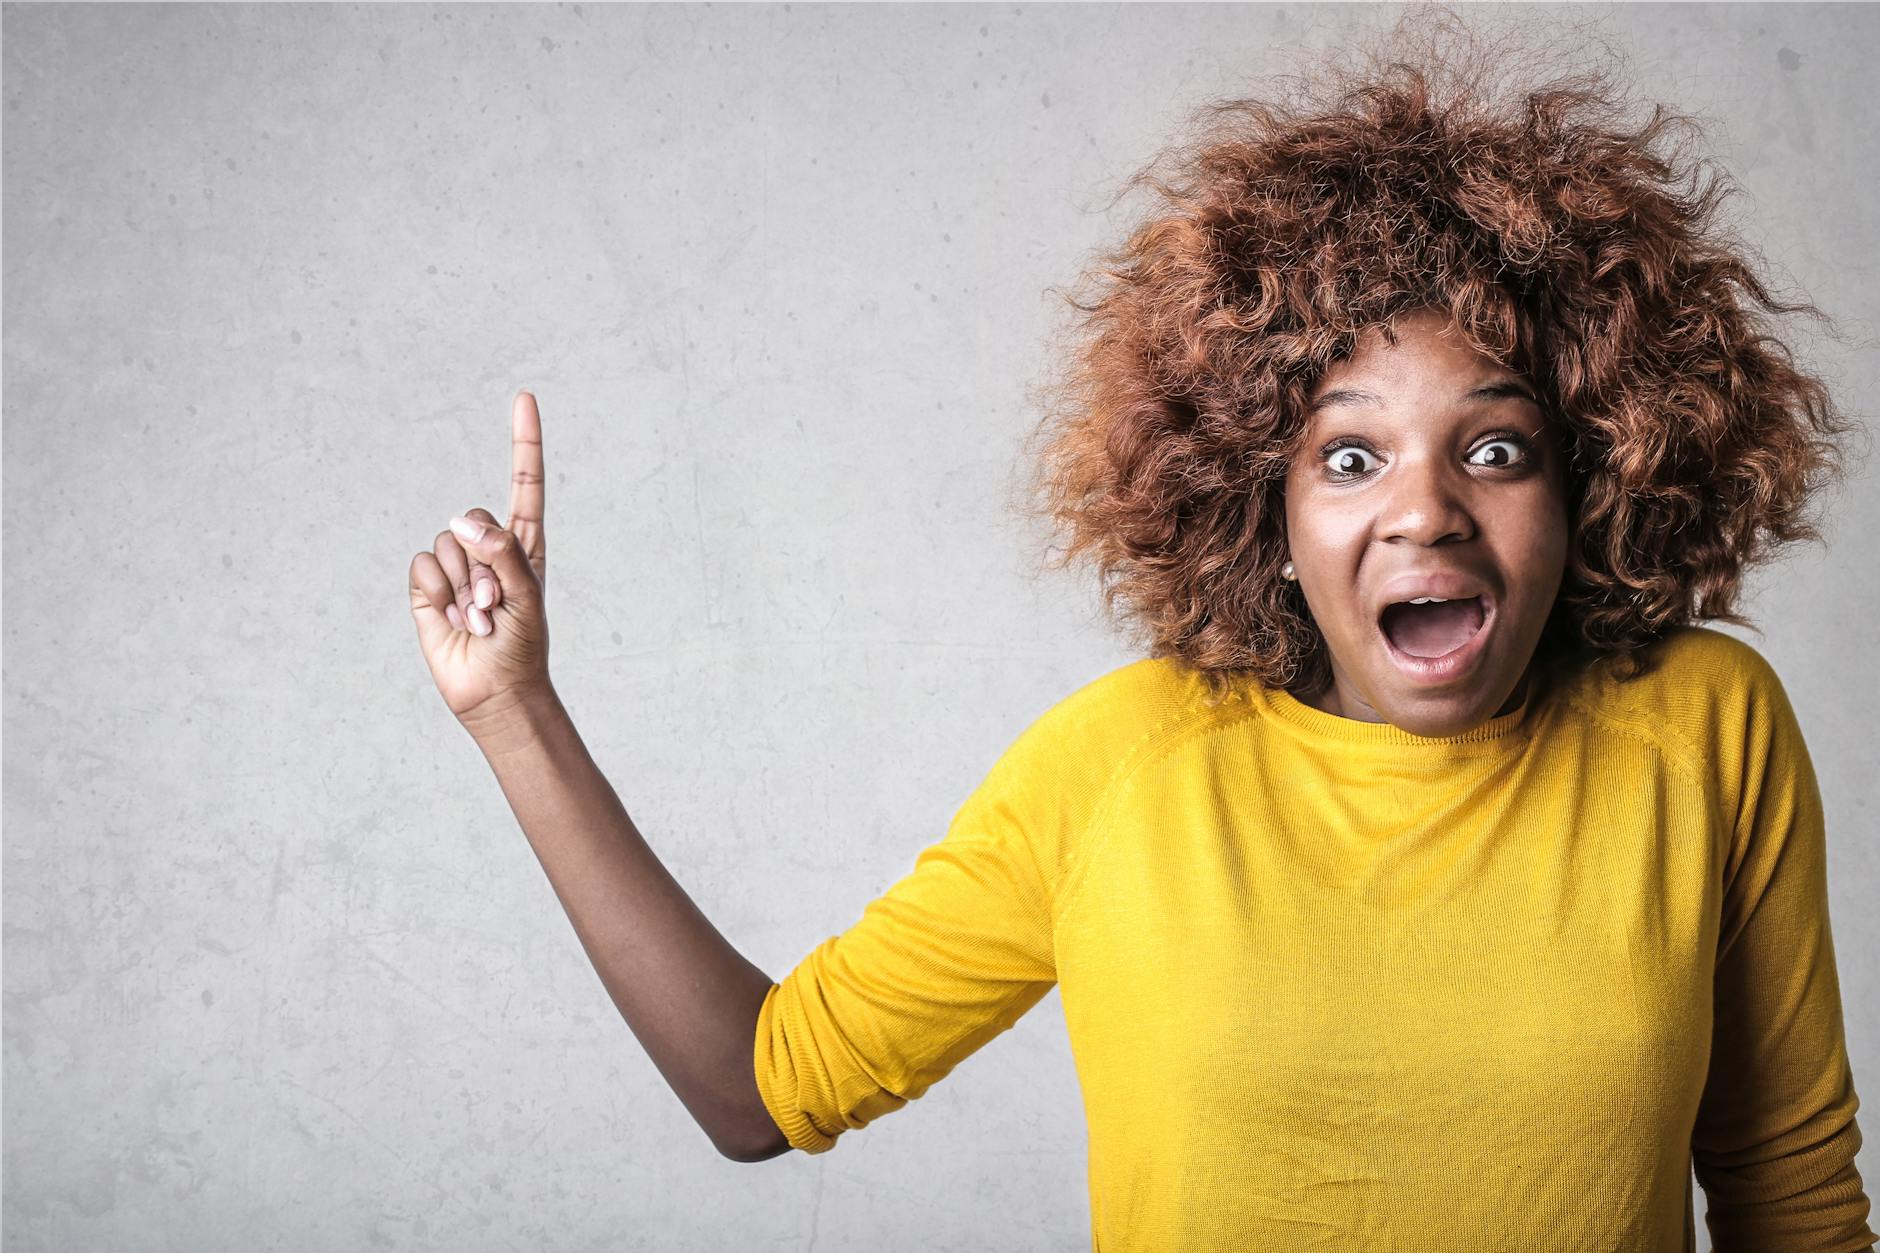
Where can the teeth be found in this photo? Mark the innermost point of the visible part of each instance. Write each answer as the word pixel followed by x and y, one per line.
pixel 1430 600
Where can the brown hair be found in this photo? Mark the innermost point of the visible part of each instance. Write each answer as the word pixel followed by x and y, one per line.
pixel 1565 244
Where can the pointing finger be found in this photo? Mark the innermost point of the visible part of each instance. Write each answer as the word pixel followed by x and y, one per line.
pixel 525 433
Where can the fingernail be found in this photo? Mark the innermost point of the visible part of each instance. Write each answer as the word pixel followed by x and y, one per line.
pixel 467 530
pixel 479 621
pixel 484 594
pixel 456 619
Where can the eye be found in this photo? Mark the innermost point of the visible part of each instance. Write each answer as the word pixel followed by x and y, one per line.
pixel 1500 452
pixel 1347 460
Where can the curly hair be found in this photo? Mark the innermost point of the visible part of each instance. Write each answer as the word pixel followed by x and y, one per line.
pixel 1564 244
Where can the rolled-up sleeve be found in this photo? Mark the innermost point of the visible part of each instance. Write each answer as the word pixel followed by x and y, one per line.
pixel 1776 1137
pixel 945 959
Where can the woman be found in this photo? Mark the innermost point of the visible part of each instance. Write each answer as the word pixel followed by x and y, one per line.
pixel 1436 883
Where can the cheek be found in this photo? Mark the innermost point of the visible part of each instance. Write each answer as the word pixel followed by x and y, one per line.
pixel 1535 548
pixel 1313 518
pixel 1326 541
pixel 1328 536
pixel 1552 525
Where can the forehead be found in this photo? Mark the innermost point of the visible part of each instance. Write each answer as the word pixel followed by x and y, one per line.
pixel 1423 363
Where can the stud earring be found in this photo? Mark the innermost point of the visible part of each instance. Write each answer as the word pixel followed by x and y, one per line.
pixel 1287 572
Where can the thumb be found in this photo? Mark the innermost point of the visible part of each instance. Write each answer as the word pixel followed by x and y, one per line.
pixel 501 551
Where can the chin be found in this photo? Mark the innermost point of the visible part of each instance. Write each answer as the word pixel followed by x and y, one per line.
pixel 1436 714
pixel 1433 723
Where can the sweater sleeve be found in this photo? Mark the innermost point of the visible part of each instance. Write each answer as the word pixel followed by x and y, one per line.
pixel 944 960
pixel 1775 1136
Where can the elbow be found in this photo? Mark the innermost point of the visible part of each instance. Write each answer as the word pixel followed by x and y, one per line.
pixel 769 1145
pixel 749 1135
pixel 747 1132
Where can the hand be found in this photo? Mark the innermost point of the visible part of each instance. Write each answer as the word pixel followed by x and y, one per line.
pixel 478 603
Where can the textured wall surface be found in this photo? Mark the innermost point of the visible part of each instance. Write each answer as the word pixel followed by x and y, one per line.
pixel 280 970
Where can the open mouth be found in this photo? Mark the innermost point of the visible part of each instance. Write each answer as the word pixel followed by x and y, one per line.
pixel 1436 639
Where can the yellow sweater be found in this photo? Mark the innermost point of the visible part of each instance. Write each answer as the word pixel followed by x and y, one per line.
pixel 1330 985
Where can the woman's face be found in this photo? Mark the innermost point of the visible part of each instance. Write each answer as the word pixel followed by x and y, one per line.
pixel 1427 470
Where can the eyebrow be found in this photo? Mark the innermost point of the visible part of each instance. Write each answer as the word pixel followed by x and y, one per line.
pixel 1487 391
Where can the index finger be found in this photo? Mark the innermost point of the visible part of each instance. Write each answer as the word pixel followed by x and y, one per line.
pixel 525 432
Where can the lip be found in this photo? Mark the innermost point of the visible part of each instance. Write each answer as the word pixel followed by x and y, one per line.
pixel 1446 584
pixel 1459 660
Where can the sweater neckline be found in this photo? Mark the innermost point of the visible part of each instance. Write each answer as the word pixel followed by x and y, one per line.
pixel 1334 727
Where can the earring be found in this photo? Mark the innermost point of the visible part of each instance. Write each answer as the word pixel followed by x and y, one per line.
pixel 1287 572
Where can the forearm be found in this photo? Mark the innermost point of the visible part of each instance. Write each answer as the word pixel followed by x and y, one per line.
pixel 690 998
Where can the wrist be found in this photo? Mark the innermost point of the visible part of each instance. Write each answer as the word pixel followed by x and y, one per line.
pixel 515 720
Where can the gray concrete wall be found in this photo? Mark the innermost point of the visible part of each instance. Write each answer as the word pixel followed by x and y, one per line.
pixel 280 970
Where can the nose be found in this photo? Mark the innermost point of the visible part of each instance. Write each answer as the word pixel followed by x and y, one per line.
pixel 1427 504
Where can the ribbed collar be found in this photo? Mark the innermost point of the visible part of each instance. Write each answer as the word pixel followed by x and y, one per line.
pixel 1331 729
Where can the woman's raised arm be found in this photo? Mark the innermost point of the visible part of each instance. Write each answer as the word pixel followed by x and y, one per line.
pixel 690 998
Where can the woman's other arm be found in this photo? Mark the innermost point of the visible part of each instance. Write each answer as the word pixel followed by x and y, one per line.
pixel 1776 1135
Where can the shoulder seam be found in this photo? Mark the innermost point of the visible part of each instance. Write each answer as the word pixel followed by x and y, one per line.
pixel 1645 732
pixel 1159 740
